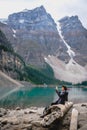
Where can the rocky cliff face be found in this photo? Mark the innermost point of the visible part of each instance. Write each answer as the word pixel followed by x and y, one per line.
pixel 10 62
pixel 76 37
pixel 37 19
pixel 36 35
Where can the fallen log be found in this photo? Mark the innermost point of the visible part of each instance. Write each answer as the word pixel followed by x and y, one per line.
pixel 55 113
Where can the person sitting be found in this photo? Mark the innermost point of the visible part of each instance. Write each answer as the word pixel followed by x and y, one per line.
pixel 63 96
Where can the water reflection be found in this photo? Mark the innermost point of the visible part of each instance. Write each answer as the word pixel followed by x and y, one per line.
pixel 26 97
pixel 40 96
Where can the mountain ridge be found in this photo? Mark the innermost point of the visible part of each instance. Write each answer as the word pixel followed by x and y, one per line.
pixel 76 37
pixel 43 34
pixel 34 35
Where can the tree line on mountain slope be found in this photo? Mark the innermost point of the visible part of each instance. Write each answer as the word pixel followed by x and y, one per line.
pixel 10 62
pixel 13 64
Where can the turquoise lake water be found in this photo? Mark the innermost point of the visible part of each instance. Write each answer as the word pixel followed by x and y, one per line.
pixel 38 96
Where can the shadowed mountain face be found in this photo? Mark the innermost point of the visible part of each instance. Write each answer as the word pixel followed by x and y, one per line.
pixel 34 35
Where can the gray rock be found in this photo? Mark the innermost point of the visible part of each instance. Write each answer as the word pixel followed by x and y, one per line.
pixel 18 108
pixel 84 105
pixel 2 112
pixel 4 121
pixel 84 127
pixel 27 127
pixel 25 112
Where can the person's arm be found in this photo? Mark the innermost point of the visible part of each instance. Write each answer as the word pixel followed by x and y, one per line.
pixel 58 93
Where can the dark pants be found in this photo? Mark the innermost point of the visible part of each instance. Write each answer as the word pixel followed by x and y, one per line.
pixel 54 103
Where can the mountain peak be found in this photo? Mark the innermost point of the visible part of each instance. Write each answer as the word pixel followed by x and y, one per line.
pixel 76 36
pixel 34 19
pixel 39 9
pixel 25 10
pixel 67 18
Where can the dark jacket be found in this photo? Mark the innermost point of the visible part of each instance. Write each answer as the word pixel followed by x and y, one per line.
pixel 63 96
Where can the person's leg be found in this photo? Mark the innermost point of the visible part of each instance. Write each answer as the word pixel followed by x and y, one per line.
pixel 45 111
pixel 54 103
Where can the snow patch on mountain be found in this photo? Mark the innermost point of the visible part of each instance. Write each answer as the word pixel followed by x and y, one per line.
pixel 70 72
pixel 69 50
pixel 3 20
pixel 14 33
pixel 21 21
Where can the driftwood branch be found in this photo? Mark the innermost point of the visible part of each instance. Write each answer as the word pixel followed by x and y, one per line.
pixel 74 119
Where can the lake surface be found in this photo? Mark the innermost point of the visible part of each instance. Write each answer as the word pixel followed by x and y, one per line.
pixel 38 96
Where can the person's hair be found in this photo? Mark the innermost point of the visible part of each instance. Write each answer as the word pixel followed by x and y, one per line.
pixel 65 88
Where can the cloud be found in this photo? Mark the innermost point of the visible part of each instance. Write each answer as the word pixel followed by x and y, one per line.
pixel 57 8
pixel 69 8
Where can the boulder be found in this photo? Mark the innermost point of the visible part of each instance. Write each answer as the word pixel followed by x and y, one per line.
pixel 30 118
pixel 2 112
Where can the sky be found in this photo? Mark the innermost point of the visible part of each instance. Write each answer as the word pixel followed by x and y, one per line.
pixel 57 8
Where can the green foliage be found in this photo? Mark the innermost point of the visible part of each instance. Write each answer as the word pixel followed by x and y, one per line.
pixel 4 43
pixel 38 77
pixel 6 48
pixel 47 70
pixel 18 56
pixel 28 73
pixel 2 37
pixel 83 83
pixel 20 75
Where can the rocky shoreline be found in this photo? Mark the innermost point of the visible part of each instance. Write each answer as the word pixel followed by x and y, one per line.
pixel 30 118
